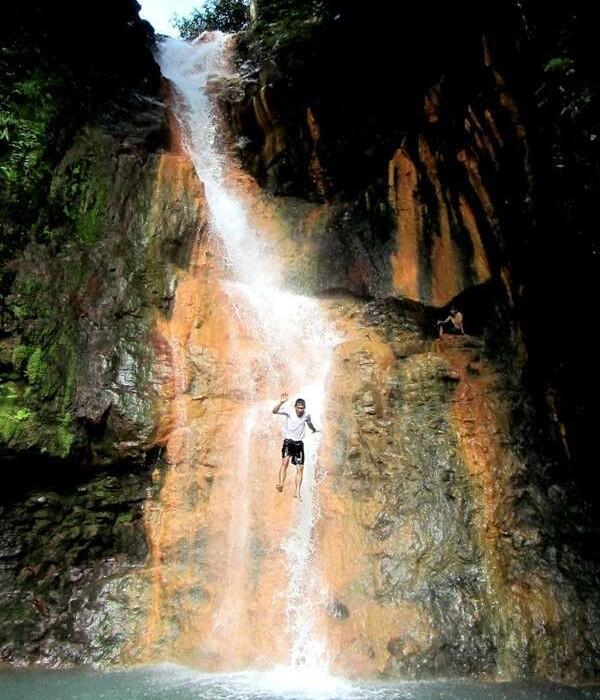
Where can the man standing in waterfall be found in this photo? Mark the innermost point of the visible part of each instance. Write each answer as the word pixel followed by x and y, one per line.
pixel 293 445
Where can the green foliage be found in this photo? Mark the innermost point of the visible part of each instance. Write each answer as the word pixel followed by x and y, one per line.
pixel 560 65
pixel 289 33
pixel 26 113
pixel 291 11
pixel 22 414
pixel 31 104
pixel 221 15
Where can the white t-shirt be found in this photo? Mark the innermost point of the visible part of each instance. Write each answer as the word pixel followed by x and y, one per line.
pixel 295 426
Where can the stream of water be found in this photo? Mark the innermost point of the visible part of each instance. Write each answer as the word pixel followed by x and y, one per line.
pixel 292 346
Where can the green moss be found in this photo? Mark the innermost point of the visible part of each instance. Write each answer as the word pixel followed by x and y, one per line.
pixel 64 436
pixel 20 355
pixel 82 191
pixel 8 391
pixel 35 412
pixel 22 414
pixel 35 366
pixel 18 423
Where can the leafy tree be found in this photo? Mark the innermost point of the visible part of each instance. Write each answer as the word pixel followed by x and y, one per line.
pixel 221 15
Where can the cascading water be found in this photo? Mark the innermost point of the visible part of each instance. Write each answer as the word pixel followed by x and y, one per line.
pixel 283 342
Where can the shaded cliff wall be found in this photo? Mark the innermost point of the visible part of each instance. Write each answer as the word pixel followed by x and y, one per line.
pixel 558 258
pixel 96 216
pixel 405 149
pixel 441 154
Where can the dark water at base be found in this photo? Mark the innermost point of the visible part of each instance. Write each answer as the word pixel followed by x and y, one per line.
pixel 168 682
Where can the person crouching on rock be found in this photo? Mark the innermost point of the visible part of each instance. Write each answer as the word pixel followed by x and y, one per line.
pixel 454 322
pixel 293 445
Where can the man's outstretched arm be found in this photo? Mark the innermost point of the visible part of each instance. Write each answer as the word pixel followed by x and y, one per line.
pixel 284 398
pixel 311 426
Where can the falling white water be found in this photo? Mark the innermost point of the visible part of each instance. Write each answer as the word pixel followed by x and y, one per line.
pixel 292 331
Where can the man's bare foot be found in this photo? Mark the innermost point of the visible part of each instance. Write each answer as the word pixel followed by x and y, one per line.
pixel 279 488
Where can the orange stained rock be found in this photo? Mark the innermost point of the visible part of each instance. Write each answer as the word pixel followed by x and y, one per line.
pixel 358 644
pixel 493 127
pixel 506 280
pixel 215 531
pixel 317 173
pixel 316 219
pixel 480 421
pixel 482 138
pixel 402 184
pixel 447 279
pixel 289 247
pixel 218 572
pixel 487 56
pixel 176 147
pixel 313 125
pixel 469 161
pixel 272 129
pixel 432 104
pixel 480 263
pixel 508 102
pixel 554 415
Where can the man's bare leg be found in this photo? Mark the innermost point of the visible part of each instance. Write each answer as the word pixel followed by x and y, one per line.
pixel 282 473
pixel 298 484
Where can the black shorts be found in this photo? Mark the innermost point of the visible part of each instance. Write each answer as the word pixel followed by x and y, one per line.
pixel 451 329
pixel 293 449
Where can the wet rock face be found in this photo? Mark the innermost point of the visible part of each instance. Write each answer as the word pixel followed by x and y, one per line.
pixel 446 536
pixel 87 264
pixel 440 197
pixel 412 191
pixel 80 374
pixel 83 371
pixel 75 254
pixel 431 170
pixel 70 558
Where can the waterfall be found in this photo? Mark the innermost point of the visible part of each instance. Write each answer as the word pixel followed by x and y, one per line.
pixel 292 342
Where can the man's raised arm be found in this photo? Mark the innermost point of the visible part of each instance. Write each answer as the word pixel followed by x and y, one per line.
pixel 284 398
